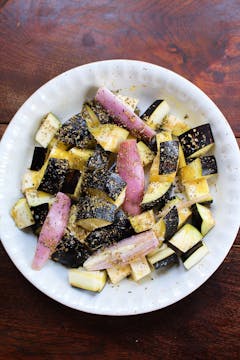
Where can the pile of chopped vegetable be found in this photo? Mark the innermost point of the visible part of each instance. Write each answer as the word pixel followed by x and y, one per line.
pixel 111 194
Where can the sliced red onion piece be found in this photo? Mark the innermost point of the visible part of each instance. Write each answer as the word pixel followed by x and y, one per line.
pixel 123 115
pixel 130 169
pixel 123 252
pixel 52 230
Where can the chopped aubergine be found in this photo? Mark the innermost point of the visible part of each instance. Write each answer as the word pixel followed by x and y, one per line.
pixel 109 136
pixel 105 184
pixel 71 180
pixel 194 255
pixel 198 191
pixel 170 260
pixel 76 230
pixel 209 165
pixel 168 160
pixel 74 133
pixel 22 214
pixel 35 197
pixel 171 221
pixel 54 176
pixel 30 180
pixel 98 160
pixel 205 166
pixel 174 125
pixel 118 273
pixel 105 236
pixel 155 114
pixel 142 222
pixel 94 114
pixel 173 217
pixel 59 153
pixel 185 238
pixel 47 130
pixel 197 141
pixel 202 218
pixel 87 280
pixel 152 144
pixel 79 158
pixel 70 251
pixel 39 213
pixel 145 153
pixel 183 211
pixel 94 213
pixel 163 136
pixel 159 254
pixel 139 268
pixel 182 160
pixel 188 253
pixel 38 159
pixel 156 195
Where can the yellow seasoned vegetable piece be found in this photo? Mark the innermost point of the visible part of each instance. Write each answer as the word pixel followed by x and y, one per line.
pixel 139 269
pixel 21 214
pixel 145 153
pixel 142 222
pixel 198 191
pixel 118 273
pixel 87 280
pixel 109 136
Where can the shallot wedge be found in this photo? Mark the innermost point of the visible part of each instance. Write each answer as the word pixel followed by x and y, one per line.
pixel 124 252
pixel 52 230
pixel 123 115
pixel 130 169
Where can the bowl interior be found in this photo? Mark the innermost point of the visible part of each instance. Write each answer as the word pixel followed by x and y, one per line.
pixel 64 96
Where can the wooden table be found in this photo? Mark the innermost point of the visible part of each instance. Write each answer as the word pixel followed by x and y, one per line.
pixel 201 41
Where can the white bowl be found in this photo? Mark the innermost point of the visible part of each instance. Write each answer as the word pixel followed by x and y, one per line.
pixel 64 96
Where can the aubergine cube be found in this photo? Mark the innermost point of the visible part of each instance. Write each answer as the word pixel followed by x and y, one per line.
pixel 101 114
pixel 74 133
pixel 70 252
pixel 202 218
pixel 169 153
pixel 156 195
pixel 171 220
pixel 188 253
pixel 54 176
pixel 197 141
pixel 114 185
pixel 151 109
pixel 121 228
pixel 93 212
pixel 71 181
pixel 155 114
pixel 99 160
pixel 38 159
pixel 106 181
pixel 209 165
pixel 170 260
pixel 194 255
pixel 39 214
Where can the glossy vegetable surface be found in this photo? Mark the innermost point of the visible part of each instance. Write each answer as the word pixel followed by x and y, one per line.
pixel 52 230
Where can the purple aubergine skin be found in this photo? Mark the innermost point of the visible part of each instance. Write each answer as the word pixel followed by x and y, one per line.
pixel 123 115
pixel 52 230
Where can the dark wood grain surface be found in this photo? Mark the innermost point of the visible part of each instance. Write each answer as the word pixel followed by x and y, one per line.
pixel 201 41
